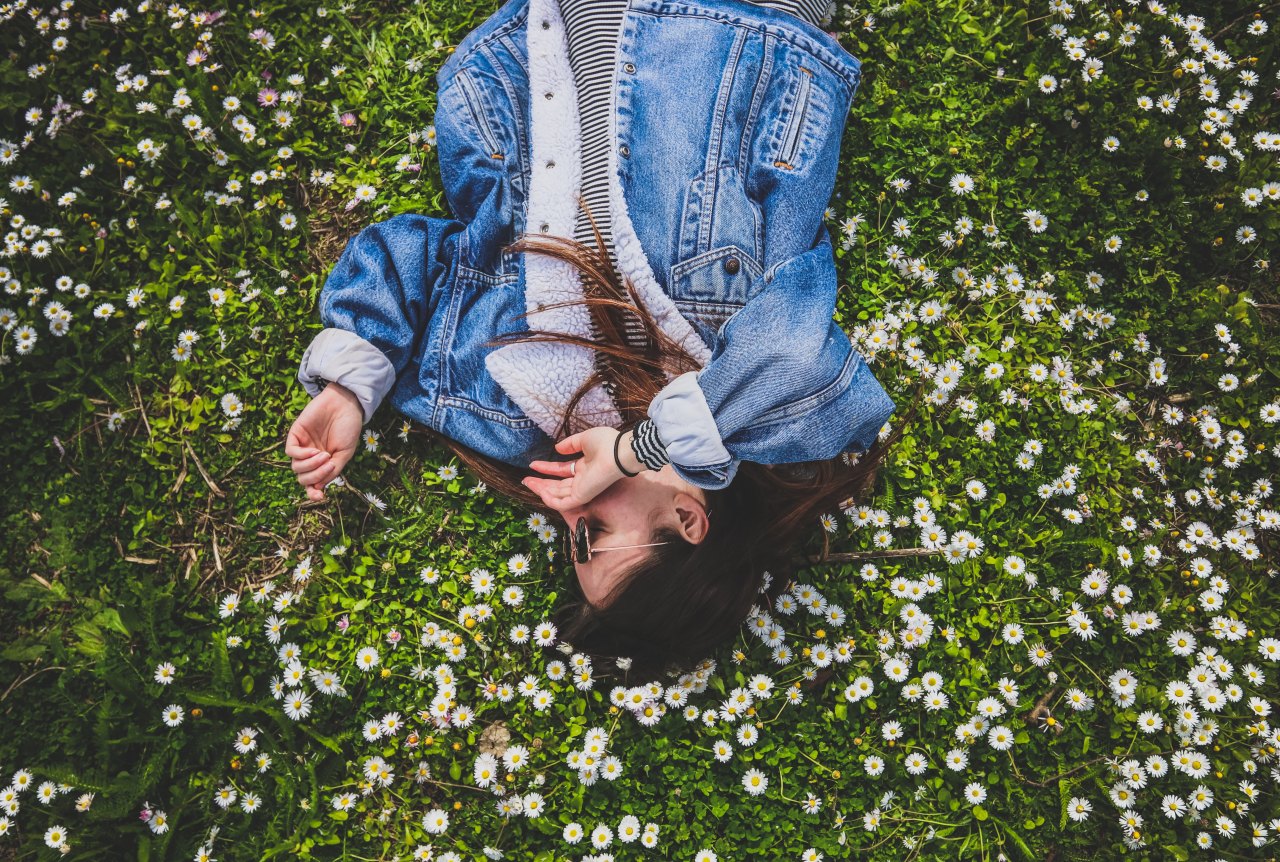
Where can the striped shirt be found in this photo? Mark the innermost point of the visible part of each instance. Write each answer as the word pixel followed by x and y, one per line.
pixel 592 28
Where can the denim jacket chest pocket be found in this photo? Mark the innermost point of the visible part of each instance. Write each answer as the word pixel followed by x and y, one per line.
pixel 803 105
pixel 710 288
pixel 719 251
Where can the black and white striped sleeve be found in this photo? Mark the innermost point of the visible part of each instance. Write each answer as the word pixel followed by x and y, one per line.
pixel 648 447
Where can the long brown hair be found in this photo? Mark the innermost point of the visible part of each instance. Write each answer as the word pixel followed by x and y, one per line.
pixel 683 600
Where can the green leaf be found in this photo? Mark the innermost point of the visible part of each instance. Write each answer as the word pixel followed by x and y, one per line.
pixel 21 651
pixel 110 618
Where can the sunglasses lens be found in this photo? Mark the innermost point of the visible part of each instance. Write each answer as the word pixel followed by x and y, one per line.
pixel 582 551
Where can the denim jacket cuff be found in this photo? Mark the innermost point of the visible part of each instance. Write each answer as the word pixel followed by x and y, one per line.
pixel 342 357
pixel 685 423
pixel 708 478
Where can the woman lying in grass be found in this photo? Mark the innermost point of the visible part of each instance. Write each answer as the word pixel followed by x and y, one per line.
pixel 677 392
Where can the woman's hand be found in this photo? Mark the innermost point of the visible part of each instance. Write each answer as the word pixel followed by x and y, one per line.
pixel 323 438
pixel 579 481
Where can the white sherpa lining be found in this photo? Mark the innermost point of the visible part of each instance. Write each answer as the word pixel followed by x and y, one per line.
pixel 541 378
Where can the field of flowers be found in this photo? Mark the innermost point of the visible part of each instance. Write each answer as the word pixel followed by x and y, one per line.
pixel 1057 217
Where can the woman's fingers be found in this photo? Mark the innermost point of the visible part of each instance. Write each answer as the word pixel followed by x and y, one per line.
pixel 563 469
pixel 325 472
pixel 553 492
pixel 298 442
pixel 305 465
pixel 543 487
pixel 531 483
pixel 296 452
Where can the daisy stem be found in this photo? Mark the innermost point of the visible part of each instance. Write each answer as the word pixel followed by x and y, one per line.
pixel 452 784
pixel 883 840
pixel 552 792
pixel 1086 666
pixel 1013 763
pixel 922 820
pixel 811 760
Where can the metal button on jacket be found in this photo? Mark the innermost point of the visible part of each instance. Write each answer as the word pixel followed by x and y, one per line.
pixel 731 265
pixel 629 68
pixel 624 151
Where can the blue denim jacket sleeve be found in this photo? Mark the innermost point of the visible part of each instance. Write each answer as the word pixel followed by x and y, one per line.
pixel 783 385
pixel 377 302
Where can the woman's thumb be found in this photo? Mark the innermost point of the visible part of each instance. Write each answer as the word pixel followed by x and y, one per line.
pixel 570 444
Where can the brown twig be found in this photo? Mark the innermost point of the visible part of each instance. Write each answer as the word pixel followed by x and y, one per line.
pixel 217 557
pixel 182 477
pixel 236 465
pixel 145 561
pixel 1041 710
pixel 213 486
pixel 19 682
pixel 1233 22
pixel 141 408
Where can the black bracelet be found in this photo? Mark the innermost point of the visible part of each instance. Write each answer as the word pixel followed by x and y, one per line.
pixel 618 460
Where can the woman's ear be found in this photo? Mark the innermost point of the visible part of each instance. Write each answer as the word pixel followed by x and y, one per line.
pixel 691 518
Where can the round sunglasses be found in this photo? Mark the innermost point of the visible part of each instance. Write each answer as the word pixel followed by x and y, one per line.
pixel 577 544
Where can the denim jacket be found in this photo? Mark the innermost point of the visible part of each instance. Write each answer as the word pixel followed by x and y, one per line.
pixel 722 163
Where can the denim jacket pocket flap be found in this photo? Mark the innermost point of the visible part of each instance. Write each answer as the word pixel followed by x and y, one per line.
pixel 712 287
pixel 726 275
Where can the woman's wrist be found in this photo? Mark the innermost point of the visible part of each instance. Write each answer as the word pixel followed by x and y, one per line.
pixel 626 457
pixel 341 393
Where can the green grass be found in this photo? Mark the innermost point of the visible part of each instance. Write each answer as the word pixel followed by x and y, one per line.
pixel 134 506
